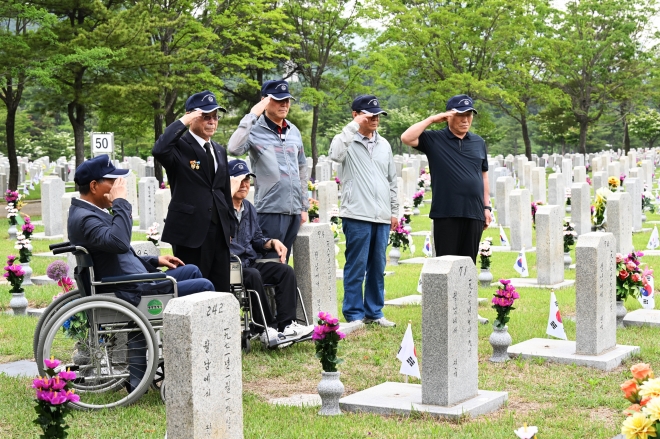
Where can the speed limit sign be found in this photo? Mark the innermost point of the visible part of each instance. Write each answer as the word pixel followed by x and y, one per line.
pixel 103 143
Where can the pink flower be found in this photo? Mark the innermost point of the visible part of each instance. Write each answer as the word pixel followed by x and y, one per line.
pixel 57 384
pixel 332 320
pixel 631 265
pixel 319 333
pixel 341 335
pixel 324 315
pixel 619 258
pixel 52 363
pixel 71 396
pixel 41 383
pixel 57 398
pixel 505 281
pixel 42 395
pixel 67 375
pixel 636 277
pixel 623 274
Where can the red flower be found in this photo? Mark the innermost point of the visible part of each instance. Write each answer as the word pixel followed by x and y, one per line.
pixel 623 274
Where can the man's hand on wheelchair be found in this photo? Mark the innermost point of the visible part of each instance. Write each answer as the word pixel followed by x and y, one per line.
pixel 279 248
pixel 169 261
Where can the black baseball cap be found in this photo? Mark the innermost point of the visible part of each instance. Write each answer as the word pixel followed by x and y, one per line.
pixel 97 168
pixel 205 101
pixel 277 89
pixel 368 104
pixel 238 167
pixel 461 103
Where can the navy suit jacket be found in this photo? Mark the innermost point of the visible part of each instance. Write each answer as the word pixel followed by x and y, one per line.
pixel 107 238
pixel 193 194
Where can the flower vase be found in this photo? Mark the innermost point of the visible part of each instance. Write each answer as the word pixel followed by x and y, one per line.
pixel 330 390
pixel 567 260
pixel 621 312
pixel 18 302
pixel 643 217
pixel 28 273
pixel 485 277
pixel 12 232
pixel 395 255
pixel 568 208
pixel 416 211
pixel 500 340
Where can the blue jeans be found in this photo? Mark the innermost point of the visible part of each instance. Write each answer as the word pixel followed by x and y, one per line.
pixel 366 243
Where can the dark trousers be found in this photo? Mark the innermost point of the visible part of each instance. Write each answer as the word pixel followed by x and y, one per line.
pixel 212 257
pixel 286 291
pixel 280 226
pixel 189 280
pixel 457 236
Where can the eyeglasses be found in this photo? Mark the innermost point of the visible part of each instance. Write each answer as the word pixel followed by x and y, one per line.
pixel 208 117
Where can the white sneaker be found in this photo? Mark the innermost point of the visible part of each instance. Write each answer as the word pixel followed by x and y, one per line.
pixel 381 322
pixel 295 331
pixel 269 337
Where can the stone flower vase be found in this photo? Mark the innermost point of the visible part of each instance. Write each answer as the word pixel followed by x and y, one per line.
pixel 18 302
pixel 621 312
pixel 485 277
pixel 500 340
pixel 12 232
pixel 643 217
pixel 395 255
pixel 28 273
pixel 330 390
pixel 568 208
pixel 567 260
pixel 416 211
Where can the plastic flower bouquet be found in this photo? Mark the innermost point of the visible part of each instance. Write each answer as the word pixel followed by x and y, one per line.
pixel 613 183
pixel 424 180
pixel 418 198
pixel 326 336
pixel 535 207
pixel 152 234
pixel 485 253
pixel 647 202
pixel 502 301
pixel 568 196
pixel 629 276
pixel 14 274
pixel 311 185
pixel 400 237
pixel 53 392
pixel 600 203
pixel 28 227
pixel 313 207
pixel 569 236
pixel 23 247
pixel 643 391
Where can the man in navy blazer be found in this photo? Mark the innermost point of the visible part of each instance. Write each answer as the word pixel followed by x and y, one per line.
pixel 200 219
pixel 107 238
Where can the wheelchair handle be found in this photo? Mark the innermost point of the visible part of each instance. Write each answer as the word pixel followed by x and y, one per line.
pixel 71 248
pixel 59 245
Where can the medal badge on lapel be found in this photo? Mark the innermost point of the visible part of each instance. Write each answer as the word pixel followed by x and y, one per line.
pixel 194 164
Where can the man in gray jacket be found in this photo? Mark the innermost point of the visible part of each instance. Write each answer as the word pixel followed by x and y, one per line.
pixel 277 158
pixel 369 209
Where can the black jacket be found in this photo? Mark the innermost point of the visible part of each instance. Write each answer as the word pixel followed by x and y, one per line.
pixel 193 194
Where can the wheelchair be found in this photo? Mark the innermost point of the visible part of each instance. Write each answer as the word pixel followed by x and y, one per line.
pixel 250 328
pixel 91 332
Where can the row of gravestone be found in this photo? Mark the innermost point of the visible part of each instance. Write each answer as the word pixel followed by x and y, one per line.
pixel 206 345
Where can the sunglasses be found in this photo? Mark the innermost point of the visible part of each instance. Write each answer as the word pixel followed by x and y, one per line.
pixel 208 117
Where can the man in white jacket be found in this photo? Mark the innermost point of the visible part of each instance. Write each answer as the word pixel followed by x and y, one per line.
pixel 369 209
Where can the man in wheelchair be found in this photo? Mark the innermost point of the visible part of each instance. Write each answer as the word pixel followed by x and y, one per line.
pixel 107 237
pixel 248 245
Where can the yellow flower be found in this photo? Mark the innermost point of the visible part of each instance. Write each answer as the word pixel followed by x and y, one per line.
pixel 637 426
pixel 613 181
pixel 650 388
pixel 652 409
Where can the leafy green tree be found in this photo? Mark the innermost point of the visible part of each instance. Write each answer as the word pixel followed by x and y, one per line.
pixel 646 126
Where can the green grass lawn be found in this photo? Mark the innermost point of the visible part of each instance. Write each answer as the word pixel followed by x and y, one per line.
pixel 563 401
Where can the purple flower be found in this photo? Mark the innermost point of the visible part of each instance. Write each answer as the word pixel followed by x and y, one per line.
pixel 57 384
pixel 341 335
pixel 41 383
pixel 71 396
pixel 318 333
pixel 57 398
pixel 57 270
pixel 52 363
pixel 10 259
pixel 67 375
pixel 505 281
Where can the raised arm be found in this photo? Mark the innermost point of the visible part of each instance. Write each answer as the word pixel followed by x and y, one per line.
pixel 411 136
pixel 163 149
pixel 341 142
pixel 239 141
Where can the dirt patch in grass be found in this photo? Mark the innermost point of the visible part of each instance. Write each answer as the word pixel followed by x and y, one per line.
pixel 280 387
pixel 607 416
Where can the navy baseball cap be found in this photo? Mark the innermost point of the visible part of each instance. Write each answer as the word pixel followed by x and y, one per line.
pixel 239 167
pixel 461 103
pixel 205 101
pixel 277 89
pixel 97 168
pixel 368 104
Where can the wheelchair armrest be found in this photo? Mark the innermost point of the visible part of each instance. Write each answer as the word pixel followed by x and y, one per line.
pixel 265 260
pixel 70 248
pixel 134 277
pixel 59 245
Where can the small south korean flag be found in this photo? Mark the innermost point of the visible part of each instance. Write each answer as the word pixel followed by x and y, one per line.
pixel 504 242
pixel 427 247
pixel 419 284
pixel 408 356
pixel 647 295
pixel 555 326
pixel 654 240
pixel 521 264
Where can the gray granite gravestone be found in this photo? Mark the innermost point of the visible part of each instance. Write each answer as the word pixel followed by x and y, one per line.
pixel 163 198
pixel 579 174
pixel 614 169
pixel 527 176
pixel 145 248
pixel 634 187
pixel 556 190
pixel 599 180
pixel 203 378
pixel 504 186
pixel 314 265
pixel 132 194
pixel 567 172
pixel 619 222
pixel 409 183
pixel 581 207
pixel 147 187
pixel 549 244
pixel 52 190
pixel 521 219
pixel 538 184
pixel 328 198
pixel 66 203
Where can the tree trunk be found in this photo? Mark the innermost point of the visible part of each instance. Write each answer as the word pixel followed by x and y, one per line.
pixel 10 128
pixel 315 127
pixel 76 113
pixel 158 130
pixel 525 135
pixel 584 125
pixel 626 136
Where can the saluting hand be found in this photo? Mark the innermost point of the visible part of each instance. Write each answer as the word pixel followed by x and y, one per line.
pixel 188 118
pixel 118 190
pixel 443 117
pixel 260 107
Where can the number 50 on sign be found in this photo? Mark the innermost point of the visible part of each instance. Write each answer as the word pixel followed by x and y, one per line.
pixel 103 143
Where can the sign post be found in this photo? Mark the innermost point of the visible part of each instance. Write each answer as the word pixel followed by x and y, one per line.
pixel 103 143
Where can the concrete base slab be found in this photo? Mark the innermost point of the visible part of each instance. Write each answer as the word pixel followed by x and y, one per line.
pixel 302 400
pixel 417 260
pixel 483 301
pixel 35 312
pixel 641 317
pixel 562 351
pixel 422 233
pixel 38 223
pixel 651 252
pixel 43 280
pixel 506 248
pixel 429 201
pixel 41 236
pixel 347 328
pixel 22 368
pixel 532 282
pixel 414 299
pixel 571 267
pixel 400 398
pixel 644 230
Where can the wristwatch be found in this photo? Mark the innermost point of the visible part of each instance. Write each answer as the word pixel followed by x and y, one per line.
pixel 489 208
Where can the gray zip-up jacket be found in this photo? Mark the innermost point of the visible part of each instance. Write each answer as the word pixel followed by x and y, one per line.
pixel 280 165
pixel 369 185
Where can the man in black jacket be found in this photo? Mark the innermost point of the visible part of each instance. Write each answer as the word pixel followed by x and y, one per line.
pixel 200 218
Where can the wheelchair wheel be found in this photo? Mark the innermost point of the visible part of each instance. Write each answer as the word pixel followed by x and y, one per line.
pixel 245 342
pixel 95 350
pixel 55 305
